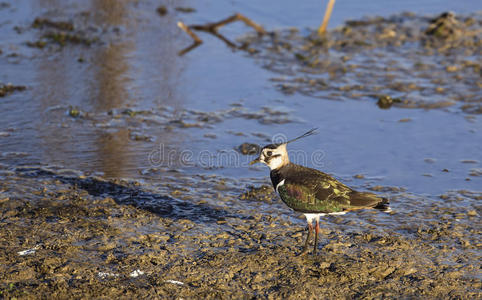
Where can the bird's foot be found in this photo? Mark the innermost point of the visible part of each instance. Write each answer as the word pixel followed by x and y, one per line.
pixel 303 252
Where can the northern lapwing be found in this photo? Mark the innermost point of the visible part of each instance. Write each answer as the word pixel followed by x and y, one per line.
pixel 310 191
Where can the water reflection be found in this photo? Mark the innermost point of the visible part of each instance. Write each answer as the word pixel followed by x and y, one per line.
pixel 124 71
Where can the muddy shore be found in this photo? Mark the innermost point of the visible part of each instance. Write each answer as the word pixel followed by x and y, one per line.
pixel 68 236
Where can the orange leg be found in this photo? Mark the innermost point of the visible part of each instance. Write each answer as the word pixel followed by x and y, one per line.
pixel 310 232
pixel 317 231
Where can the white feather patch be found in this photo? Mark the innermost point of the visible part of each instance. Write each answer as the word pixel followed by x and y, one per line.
pixel 316 217
pixel 337 213
pixel 311 217
pixel 279 184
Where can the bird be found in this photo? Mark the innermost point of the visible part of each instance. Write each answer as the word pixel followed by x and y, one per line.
pixel 312 192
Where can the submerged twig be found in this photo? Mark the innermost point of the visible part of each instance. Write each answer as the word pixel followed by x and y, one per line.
pixel 189 48
pixel 189 32
pixel 326 18
pixel 212 28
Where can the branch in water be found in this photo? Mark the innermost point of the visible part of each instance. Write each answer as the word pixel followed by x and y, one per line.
pixel 326 18
pixel 212 28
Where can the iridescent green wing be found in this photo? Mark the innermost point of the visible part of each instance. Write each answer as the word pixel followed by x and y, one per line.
pixel 309 190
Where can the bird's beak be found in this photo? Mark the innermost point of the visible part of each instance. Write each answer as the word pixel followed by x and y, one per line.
pixel 257 160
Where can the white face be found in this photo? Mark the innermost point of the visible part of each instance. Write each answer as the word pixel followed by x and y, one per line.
pixel 275 158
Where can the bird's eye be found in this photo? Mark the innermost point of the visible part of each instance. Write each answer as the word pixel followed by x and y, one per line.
pixel 269 153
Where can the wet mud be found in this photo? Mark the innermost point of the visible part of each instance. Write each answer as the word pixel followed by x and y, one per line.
pixel 65 234
pixel 9 88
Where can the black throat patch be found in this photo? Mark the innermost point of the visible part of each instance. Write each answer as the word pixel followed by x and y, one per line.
pixel 276 177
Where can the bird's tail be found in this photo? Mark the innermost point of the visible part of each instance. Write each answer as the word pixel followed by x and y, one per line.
pixel 368 200
pixel 383 205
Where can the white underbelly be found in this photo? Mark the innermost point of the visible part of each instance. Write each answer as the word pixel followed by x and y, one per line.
pixel 315 217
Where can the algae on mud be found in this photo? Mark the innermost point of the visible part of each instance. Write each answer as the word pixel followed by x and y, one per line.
pixel 415 60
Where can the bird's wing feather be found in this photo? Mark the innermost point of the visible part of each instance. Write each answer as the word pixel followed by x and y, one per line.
pixel 309 190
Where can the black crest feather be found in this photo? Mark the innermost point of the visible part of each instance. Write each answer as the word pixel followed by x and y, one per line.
pixel 312 131
pixel 306 134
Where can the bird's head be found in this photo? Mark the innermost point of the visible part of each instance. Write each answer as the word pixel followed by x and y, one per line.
pixel 275 155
